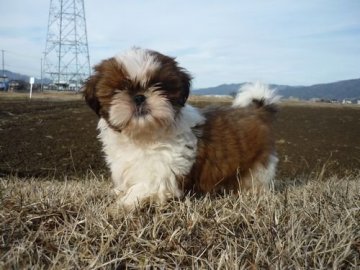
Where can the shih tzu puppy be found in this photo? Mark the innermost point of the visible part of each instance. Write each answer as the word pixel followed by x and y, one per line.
pixel 158 147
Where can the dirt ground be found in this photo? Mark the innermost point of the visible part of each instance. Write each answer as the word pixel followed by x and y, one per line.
pixel 45 137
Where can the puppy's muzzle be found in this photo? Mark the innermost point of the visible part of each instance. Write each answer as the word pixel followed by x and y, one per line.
pixel 139 99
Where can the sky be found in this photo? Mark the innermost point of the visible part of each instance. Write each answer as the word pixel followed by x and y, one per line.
pixel 231 41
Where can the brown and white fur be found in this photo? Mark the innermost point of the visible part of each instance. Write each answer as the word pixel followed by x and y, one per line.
pixel 158 147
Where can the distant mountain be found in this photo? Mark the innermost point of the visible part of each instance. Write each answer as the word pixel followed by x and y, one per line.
pixel 348 89
pixel 21 77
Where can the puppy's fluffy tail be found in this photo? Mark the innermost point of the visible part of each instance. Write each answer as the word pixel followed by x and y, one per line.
pixel 258 95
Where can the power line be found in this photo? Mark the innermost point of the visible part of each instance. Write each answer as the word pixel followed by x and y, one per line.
pixel 28 69
pixel 23 69
pixel 21 54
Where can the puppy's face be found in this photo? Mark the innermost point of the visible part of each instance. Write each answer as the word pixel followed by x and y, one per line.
pixel 138 93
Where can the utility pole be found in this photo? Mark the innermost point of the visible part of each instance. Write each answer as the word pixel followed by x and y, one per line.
pixel 41 74
pixel 3 62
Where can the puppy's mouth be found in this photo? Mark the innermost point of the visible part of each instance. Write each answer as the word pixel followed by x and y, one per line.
pixel 141 107
pixel 142 110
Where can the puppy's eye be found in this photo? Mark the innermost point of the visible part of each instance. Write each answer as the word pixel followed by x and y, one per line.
pixel 156 87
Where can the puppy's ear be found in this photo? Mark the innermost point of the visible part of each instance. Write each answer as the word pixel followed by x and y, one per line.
pixel 89 93
pixel 185 78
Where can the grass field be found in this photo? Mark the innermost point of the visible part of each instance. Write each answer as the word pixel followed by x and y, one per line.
pixel 55 206
pixel 51 224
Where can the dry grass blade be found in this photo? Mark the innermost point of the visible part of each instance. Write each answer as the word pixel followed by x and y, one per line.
pixel 64 225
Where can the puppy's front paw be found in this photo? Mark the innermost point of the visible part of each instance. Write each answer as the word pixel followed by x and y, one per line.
pixel 119 207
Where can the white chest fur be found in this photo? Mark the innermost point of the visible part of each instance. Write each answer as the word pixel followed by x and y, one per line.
pixel 150 170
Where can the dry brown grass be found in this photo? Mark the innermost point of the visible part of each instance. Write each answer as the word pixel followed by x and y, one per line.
pixel 52 224
pixel 45 95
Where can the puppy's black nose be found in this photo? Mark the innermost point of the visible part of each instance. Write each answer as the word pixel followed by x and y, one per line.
pixel 139 99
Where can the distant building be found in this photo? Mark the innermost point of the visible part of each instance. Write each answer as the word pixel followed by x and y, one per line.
pixel 358 102
pixel 4 83
pixel 346 101
pixel 291 98
pixel 315 99
pixel 14 85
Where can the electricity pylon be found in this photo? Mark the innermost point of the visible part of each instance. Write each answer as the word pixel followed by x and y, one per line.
pixel 66 60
